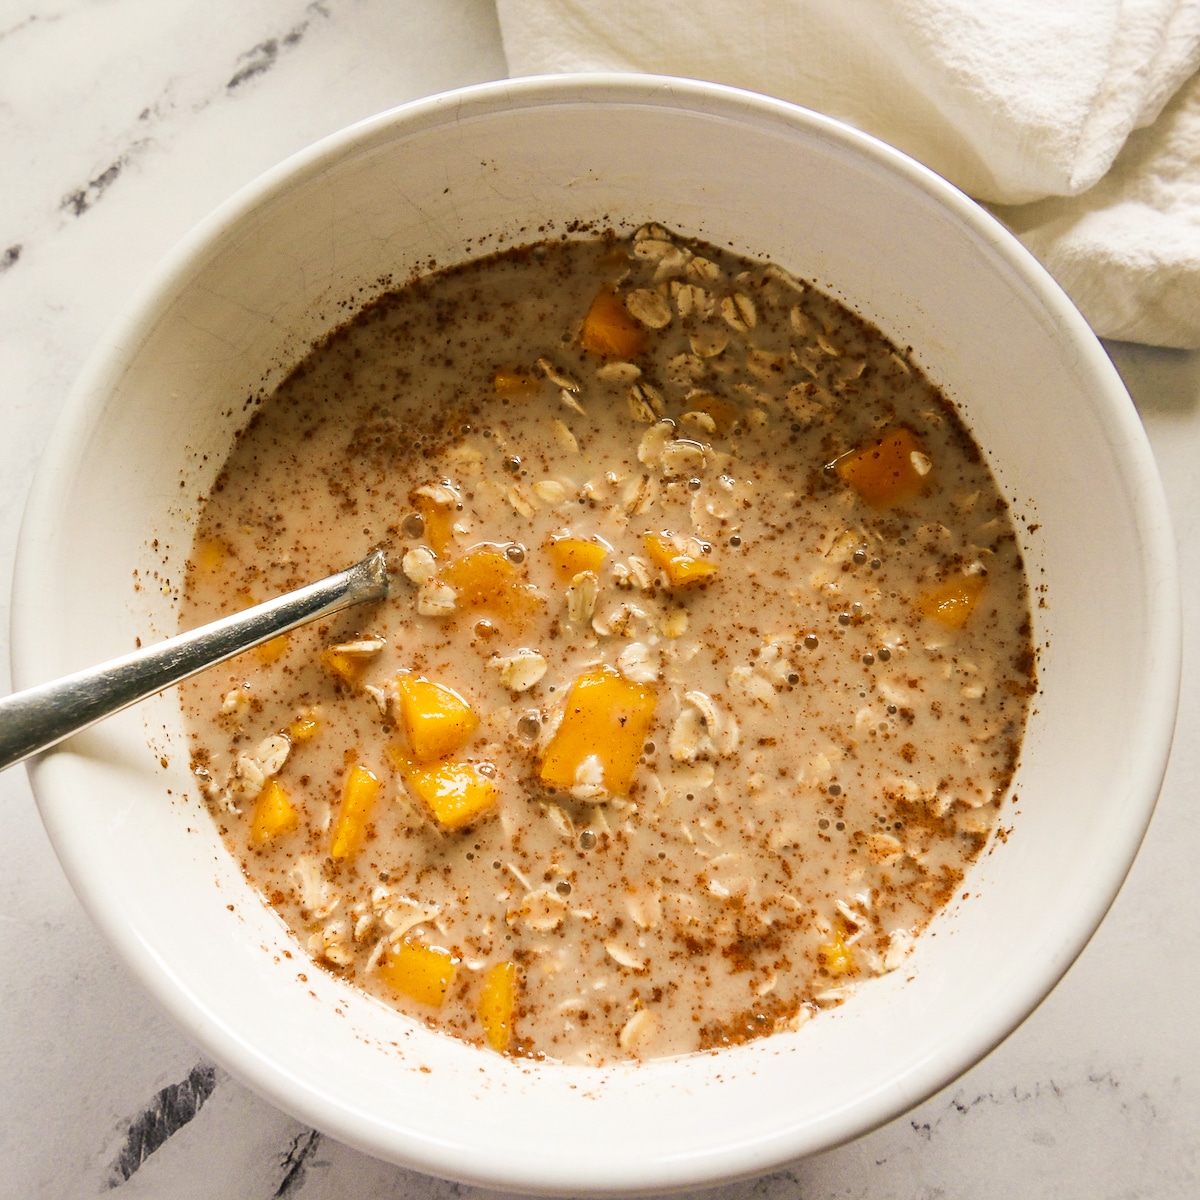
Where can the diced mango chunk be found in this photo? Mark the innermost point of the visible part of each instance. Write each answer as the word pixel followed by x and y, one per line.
pixel 209 555
pixel 304 727
pixel 348 668
pixel 724 414
pixel 273 650
pixel 439 523
pixel 615 259
pixel 456 793
pixel 484 578
pixel 836 957
pixel 496 1003
pixel 609 330
pixel 509 381
pixel 422 973
pixel 886 469
pixel 273 814
pixel 572 556
pixel 952 603
pixel 681 569
pixel 437 720
pixel 358 799
pixel 606 717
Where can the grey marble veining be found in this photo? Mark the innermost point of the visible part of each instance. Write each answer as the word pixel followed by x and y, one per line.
pixel 122 123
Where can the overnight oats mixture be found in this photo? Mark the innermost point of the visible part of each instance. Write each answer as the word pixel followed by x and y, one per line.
pixel 703 675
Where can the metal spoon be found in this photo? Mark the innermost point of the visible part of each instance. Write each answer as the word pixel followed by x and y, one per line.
pixel 43 716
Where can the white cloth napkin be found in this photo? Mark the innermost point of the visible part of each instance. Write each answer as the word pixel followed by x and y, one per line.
pixel 1077 120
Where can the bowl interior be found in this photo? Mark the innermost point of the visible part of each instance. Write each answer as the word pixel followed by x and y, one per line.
pixel 156 412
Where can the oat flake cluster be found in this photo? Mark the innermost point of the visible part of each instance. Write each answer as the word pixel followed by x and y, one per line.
pixel 704 672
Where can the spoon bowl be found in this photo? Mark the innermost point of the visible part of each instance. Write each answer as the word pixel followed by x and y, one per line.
pixel 40 717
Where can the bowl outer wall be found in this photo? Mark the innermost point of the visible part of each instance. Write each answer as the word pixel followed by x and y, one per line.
pixel 1104 544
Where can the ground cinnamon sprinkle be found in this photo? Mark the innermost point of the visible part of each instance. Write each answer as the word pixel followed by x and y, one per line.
pixel 704 673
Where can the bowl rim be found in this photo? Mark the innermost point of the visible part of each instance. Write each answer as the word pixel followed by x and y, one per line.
pixel 120 344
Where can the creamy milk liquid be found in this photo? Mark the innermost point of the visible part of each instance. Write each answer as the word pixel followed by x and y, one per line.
pixel 825 750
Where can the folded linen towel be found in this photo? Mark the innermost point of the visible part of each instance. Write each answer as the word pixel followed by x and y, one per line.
pixel 1079 120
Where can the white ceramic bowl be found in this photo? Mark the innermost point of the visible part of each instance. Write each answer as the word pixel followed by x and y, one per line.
pixel 110 524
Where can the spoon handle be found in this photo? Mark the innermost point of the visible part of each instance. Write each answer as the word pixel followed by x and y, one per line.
pixel 40 717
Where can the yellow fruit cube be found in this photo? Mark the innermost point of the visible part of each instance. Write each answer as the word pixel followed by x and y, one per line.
pixel 572 556
pixel 952 603
pixel 681 569
pixel 609 330
pixel 886 469
pixel 422 973
pixel 836 957
pixel 209 555
pixel 724 414
pixel 606 718
pixel 304 727
pixel 347 667
pixel 496 1004
pixel 358 799
pixel 273 650
pixel 273 814
pixel 439 523
pixel 437 720
pixel 509 381
pixel 485 578
pixel 456 793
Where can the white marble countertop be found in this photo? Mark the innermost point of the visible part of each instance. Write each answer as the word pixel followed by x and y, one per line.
pixel 122 123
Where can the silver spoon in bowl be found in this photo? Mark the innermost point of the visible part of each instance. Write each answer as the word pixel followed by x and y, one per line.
pixel 42 716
